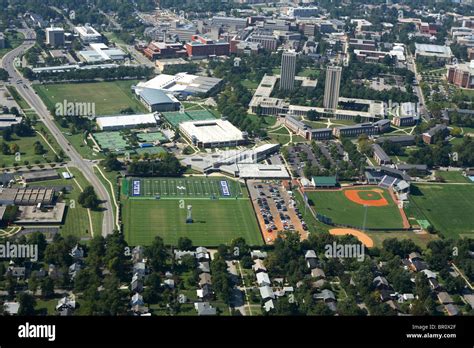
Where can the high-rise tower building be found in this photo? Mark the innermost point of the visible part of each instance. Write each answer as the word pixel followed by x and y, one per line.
pixel 331 89
pixel 288 69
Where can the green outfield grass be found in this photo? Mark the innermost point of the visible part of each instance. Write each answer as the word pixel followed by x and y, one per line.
pixel 216 221
pixel 341 210
pixel 109 97
pixel 449 208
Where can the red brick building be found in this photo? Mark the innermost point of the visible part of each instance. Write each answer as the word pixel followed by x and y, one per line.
pixel 201 46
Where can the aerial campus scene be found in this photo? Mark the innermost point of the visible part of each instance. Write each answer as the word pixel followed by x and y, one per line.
pixel 237 158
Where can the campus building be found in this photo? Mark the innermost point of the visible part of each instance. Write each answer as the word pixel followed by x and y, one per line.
pixel 461 75
pixel 288 71
pixel 380 156
pixel 212 133
pixel 111 123
pixel 331 89
pixel 156 50
pixel 55 36
pixel 157 100
pixel 429 135
pixel 201 46
pixel 87 34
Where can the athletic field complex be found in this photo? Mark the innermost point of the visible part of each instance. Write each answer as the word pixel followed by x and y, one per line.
pixel 352 206
pixel 221 211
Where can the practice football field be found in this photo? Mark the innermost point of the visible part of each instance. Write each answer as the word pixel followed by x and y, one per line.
pixel 221 211
pixel 450 208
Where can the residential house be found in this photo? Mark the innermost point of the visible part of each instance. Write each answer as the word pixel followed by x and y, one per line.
pixel 138 254
pixel 266 292
pixel 268 305
pixel 74 269
pixel 204 267
pixel 202 254
pixel 139 268
pixel 381 283
pixel 178 254
pixel 257 254
pixel 66 305
pixel 204 278
pixel 263 279
pixel 434 284
pixel 204 308
pixel 258 266
pixel 16 271
pixel 205 293
pixel 444 298
pixel 137 283
pixel 328 297
pixel 77 252
pixel 169 283
pixel 11 308
pixel 451 309
pixel 318 273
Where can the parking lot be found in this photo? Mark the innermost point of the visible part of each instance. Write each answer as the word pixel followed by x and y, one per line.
pixel 276 210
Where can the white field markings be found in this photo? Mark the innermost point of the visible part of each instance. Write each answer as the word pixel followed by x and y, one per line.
pixel 88 210
pixel 114 199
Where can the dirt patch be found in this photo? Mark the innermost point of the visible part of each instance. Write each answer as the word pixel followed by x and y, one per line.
pixel 361 236
pixel 354 196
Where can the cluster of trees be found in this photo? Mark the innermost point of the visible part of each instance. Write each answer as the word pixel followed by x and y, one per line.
pixel 88 198
pixel 121 72
pixel 190 68
pixel 166 165
pixel 111 163
pixel 3 75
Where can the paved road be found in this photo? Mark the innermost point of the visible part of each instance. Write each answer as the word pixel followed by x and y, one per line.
pixel 85 166
pixel 417 89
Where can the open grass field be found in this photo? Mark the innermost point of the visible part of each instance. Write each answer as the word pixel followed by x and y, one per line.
pixel 337 206
pixel 449 208
pixel 454 176
pixel 221 211
pixel 109 97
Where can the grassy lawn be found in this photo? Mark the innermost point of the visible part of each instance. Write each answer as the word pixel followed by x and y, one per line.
pixel 309 72
pixel 341 210
pixel 109 97
pixel 419 239
pixel 77 219
pixel 268 121
pixel 13 40
pixel 27 153
pixel 215 221
pixel 447 207
pixel 452 177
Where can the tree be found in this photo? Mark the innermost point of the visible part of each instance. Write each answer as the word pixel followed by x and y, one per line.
pixel 185 243
pixel 27 304
pixel 47 287
pixel 312 115
pixel 111 163
pixel 88 198
pixel 38 148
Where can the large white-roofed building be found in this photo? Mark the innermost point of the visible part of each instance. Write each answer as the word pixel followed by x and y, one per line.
pixel 212 133
pixel 181 84
pixel 87 34
pixel 435 51
pixel 109 123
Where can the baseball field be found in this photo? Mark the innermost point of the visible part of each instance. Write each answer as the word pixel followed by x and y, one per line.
pixel 352 205
pixel 220 210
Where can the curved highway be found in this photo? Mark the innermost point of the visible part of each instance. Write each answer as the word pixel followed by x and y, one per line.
pixel 26 91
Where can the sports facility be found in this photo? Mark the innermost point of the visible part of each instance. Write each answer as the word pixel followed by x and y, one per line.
pixel 351 206
pixel 361 236
pixel 152 137
pixel 112 141
pixel 110 98
pixel 221 211
pixel 176 117
pixel 448 207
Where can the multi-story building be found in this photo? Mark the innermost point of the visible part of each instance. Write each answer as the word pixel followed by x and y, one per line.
pixel 268 41
pixel 201 46
pixel 87 34
pixel 429 135
pixel 299 12
pixel 461 75
pixel 361 44
pixel 288 70
pixel 55 36
pixel 156 50
pixel 331 89
pixel 380 156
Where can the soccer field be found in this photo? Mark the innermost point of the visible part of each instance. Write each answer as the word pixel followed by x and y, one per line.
pixel 221 211
pixel 450 208
pixel 109 97
pixel 335 205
